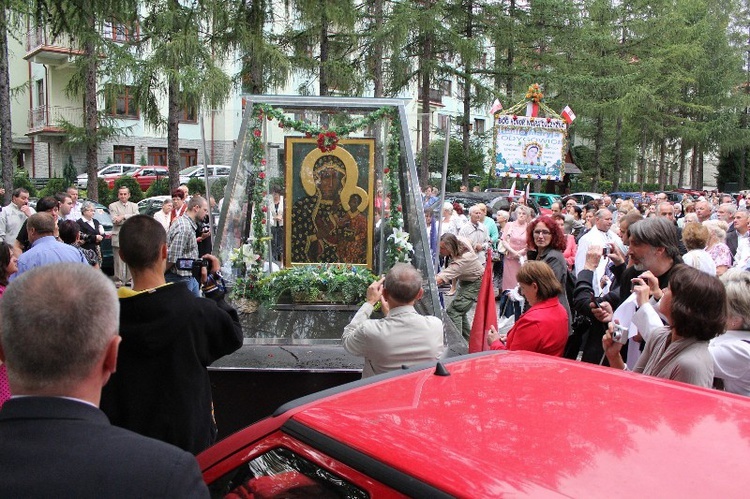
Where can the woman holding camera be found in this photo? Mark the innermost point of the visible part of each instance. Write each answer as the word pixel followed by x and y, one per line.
pixel 543 328
pixel 694 305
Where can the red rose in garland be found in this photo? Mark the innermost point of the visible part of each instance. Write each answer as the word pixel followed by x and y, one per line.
pixel 327 141
pixel 256 132
pixel 262 175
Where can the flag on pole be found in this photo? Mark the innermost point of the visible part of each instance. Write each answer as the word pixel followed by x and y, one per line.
pixel 528 189
pixel 532 109
pixel 513 189
pixel 486 313
pixel 496 107
pixel 568 115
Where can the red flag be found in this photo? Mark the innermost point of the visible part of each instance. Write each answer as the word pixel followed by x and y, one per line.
pixel 568 115
pixel 486 313
pixel 496 107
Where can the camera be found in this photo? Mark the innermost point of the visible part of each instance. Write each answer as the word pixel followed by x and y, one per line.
pixel 606 251
pixel 193 265
pixel 620 334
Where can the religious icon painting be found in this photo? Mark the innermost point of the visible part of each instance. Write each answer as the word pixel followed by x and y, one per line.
pixel 330 193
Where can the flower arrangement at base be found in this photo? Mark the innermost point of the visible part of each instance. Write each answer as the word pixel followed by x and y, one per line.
pixel 325 282
pixel 400 249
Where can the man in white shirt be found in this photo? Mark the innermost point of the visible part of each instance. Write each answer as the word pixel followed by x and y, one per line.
pixel 13 216
pixel 476 232
pixel 403 337
pixel 600 235
pixel 741 222
pixel 75 209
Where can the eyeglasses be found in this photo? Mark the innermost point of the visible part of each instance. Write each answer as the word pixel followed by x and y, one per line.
pixel 542 233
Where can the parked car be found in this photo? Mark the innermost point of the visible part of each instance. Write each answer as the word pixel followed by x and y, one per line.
pixel 107 172
pixel 214 172
pixel 545 200
pixel 584 197
pixel 151 205
pixel 145 176
pixel 635 196
pixel 494 200
pixel 492 424
pixel 674 197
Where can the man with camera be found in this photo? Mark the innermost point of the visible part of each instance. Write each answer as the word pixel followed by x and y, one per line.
pixel 182 245
pixel 161 388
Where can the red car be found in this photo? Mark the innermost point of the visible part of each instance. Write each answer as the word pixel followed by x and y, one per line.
pixel 498 424
pixel 145 176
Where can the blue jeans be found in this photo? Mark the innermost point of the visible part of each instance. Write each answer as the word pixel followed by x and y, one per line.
pixel 189 281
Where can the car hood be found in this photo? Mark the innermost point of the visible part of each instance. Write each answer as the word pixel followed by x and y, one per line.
pixel 524 424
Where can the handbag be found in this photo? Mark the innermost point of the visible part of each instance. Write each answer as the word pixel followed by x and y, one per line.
pixel 505 324
pixel 499 251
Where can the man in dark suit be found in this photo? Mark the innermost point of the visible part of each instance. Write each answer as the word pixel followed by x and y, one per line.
pixel 54 441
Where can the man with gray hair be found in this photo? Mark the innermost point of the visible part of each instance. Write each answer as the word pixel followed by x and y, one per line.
pixel 54 441
pixel 475 231
pixel 403 337
pixel 726 213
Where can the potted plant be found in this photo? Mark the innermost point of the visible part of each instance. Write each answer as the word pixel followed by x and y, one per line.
pixel 319 283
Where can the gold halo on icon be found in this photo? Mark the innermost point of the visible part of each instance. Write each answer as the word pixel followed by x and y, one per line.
pixel 307 176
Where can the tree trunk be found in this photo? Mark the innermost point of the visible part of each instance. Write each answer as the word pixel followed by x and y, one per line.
pixel 511 54
pixel 91 119
pixel 694 168
pixel 466 123
pixel 173 136
pixel 377 50
pixel 617 167
pixel 662 166
pixel 683 154
pixel 700 166
pixel 323 72
pixel 642 164
pixel 598 145
pixel 6 135
pixel 424 167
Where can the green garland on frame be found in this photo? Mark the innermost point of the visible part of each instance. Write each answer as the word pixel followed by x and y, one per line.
pixel 397 249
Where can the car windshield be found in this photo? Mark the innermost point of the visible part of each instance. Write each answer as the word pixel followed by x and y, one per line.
pixel 189 170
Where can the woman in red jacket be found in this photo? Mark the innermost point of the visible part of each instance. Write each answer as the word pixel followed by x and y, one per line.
pixel 544 326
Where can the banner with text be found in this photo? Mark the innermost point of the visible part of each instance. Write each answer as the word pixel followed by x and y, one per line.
pixel 529 147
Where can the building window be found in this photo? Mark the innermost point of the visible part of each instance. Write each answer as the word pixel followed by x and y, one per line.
pixel 124 154
pixel 124 104
pixel 157 156
pixel 188 157
pixel 479 126
pixel 447 87
pixel 120 32
pixel 40 100
pixel 442 122
pixel 189 113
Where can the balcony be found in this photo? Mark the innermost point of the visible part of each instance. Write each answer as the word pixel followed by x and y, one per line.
pixel 41 48
pixel 436 96
pixel 47 120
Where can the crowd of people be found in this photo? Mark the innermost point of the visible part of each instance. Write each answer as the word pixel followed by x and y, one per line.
pixel 642 285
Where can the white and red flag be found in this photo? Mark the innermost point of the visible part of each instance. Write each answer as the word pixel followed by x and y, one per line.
pixel 532 109
pixel 496 107
pixel 512 189
pixel 568 115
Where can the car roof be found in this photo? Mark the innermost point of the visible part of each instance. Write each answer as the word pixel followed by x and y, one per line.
pixel 525 424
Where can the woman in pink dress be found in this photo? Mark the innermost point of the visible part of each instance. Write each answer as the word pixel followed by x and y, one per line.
pixel 8 266
pixel 514 238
